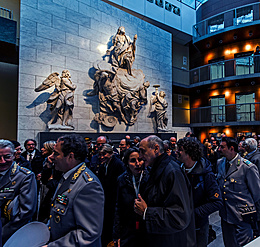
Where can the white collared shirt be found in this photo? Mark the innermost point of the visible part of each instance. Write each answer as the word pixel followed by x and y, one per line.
pixel 32 154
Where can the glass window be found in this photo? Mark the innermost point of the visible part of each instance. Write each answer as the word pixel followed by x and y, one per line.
pixel 245 107
pixel 244 15
pixel 217 104
pixel 216 23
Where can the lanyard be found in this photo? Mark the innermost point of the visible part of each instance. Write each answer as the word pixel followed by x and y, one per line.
pixel 134 184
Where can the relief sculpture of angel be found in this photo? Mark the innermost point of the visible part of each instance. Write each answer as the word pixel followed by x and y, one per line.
pixel 61 100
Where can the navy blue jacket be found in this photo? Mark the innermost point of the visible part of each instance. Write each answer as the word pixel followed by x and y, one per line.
pixel 206 194
pixel 125 217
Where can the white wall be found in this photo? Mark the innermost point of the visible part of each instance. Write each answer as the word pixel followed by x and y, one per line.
pixel 183 23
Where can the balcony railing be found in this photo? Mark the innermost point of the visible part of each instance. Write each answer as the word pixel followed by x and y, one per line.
pixel 236 114
pixel 226 68
pixel 6 13
pixel 244 15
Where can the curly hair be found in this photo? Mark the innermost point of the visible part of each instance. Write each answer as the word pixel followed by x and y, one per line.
pixel 75 144
pixel 191 147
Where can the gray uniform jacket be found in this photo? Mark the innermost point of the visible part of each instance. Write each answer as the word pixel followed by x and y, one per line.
pixel 18 198
pixel 254 158
pixel 240 188
pixel 77 211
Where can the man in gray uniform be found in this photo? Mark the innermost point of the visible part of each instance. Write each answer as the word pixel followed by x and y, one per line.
pixel 77 209
pixel 17 192
pixel 253 154
pixel 239 183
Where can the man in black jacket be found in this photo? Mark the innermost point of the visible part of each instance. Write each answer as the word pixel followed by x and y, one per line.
pixel 205 190
pixel 166 206
pixel 33 155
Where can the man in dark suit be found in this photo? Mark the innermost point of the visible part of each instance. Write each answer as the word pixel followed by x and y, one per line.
pixel 110 169
pixel 33 155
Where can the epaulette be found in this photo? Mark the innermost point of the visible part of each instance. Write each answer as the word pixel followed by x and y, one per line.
pixel 15 166
pixel 247 162
pixel 25 170
pixel 87 177
pixel 78 172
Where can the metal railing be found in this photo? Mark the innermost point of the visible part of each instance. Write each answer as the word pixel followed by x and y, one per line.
pixel 6 13
pixel 218 115
pixel 226 68
pixel 243 15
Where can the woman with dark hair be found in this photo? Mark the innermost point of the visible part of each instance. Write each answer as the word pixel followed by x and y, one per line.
pixel 131 183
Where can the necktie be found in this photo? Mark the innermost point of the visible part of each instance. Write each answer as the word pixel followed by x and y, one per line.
pixel 30 157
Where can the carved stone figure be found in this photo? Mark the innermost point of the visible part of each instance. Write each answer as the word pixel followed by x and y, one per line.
pixel 123 49
pixel 61 101
pixel 121 90
pixel 158 106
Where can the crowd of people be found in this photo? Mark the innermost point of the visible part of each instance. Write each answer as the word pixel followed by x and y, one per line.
pixel 147 192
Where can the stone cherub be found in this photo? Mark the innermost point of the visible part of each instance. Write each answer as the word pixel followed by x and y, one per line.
pixel 124 50
pixel 61 101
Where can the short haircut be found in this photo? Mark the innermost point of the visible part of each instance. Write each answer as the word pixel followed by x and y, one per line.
pixel 30 140
pixel 152 140
pixel 75 144
pixel 191 147
pixel 230 142
pixel 251 143
pixel 16 144
pixel 7 144
pixel 127 154
pixel 106 148
pixel 189 133
pixel 137 138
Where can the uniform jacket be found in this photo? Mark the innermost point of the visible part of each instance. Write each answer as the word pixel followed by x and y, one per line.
pixel 37 161
pixel 125 217
pixel 240 188
pixel 169 219
pixel 206 193
pixel 18 185
pixel 77 211
pixel 254 158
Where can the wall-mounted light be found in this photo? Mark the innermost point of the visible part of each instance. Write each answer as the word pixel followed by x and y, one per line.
pixel 235 37
pixel 227 93
pixel 250 33
pixel 248 47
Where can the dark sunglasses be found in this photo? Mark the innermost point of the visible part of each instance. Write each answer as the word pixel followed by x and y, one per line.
pixel 134 160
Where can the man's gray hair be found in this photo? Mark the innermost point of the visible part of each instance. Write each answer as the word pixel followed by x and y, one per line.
pixel 251 143
pixel 7 144
pixel 152 140
pixel 106 148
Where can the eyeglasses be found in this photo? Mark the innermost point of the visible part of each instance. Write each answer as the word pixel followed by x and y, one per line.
pixel 134 160
pixel 30 144
pixel 6 157
pixel 18 149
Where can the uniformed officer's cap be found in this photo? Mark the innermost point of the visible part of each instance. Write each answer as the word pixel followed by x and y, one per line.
pixel 34 234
